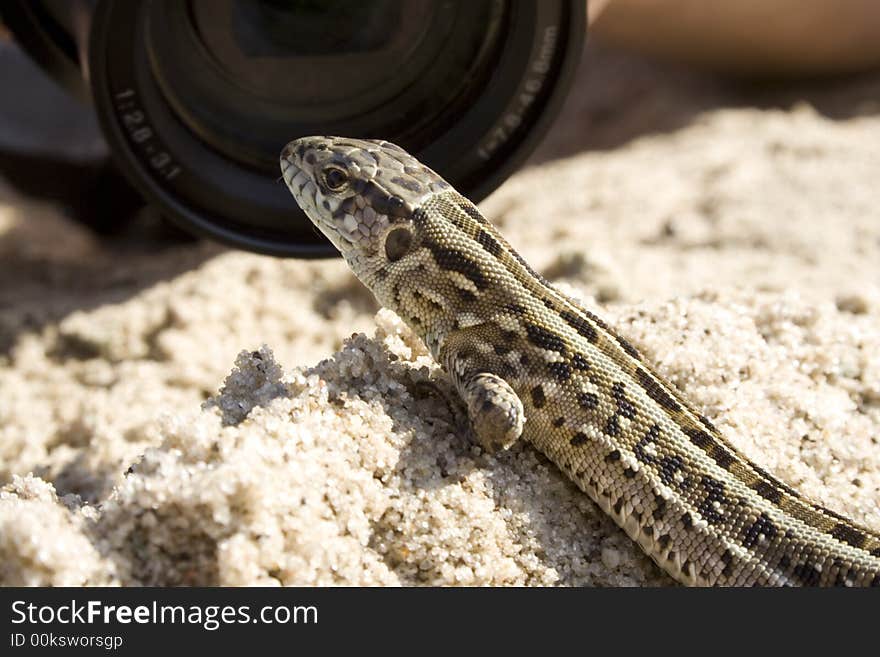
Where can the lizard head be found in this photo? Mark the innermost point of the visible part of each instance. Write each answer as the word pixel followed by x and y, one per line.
pixel 361 193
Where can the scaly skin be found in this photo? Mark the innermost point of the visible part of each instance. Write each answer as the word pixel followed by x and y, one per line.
pixel 529 362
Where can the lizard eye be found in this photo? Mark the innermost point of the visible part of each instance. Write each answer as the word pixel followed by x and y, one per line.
pixel 397 243
pixel 335 178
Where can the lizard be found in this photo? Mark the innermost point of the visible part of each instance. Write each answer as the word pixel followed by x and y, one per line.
pixel 531 363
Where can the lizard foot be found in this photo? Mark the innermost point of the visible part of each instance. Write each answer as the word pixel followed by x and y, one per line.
pixel 495 411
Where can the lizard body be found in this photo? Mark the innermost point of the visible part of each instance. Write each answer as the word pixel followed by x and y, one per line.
pixel 530 362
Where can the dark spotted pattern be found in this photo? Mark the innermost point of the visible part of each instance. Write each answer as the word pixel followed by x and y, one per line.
pixel 612 426
pixel 489 243
pixel 627 347
pixel 763 474
pixel 705 422
pixel 588 401
pixel 699 438
pixel 583 327
pixel 669 466
pixel 713 493
pixel 656 392
pixel 381 201
pixel 625 407
pixel 471 210
pixel 767 491
pixel 807 574
pixel 561 372
pixel 452 260
pixel 713 448
pixel 762 527
pixel 541 337
pixel 641 448
pixel 408 184
pixel 538 398
pixel 849 535
pixel 722 456
pixel 579 439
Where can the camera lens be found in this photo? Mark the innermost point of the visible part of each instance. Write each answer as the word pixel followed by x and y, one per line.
pixel 196 98
pixel 246 75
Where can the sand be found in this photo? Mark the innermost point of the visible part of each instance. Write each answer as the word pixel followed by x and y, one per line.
pixel 185 415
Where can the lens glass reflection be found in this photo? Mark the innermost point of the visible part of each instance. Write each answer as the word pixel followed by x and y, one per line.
pixel 246 76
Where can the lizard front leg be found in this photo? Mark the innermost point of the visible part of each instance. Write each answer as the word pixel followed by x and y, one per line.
pixel 495 410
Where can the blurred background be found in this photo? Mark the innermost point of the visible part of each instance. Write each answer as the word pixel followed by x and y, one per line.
pixel 649 66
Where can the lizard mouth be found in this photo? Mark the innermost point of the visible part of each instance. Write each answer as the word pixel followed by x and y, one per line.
pixel 294 176
pixel 300 184
pixel 303 190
